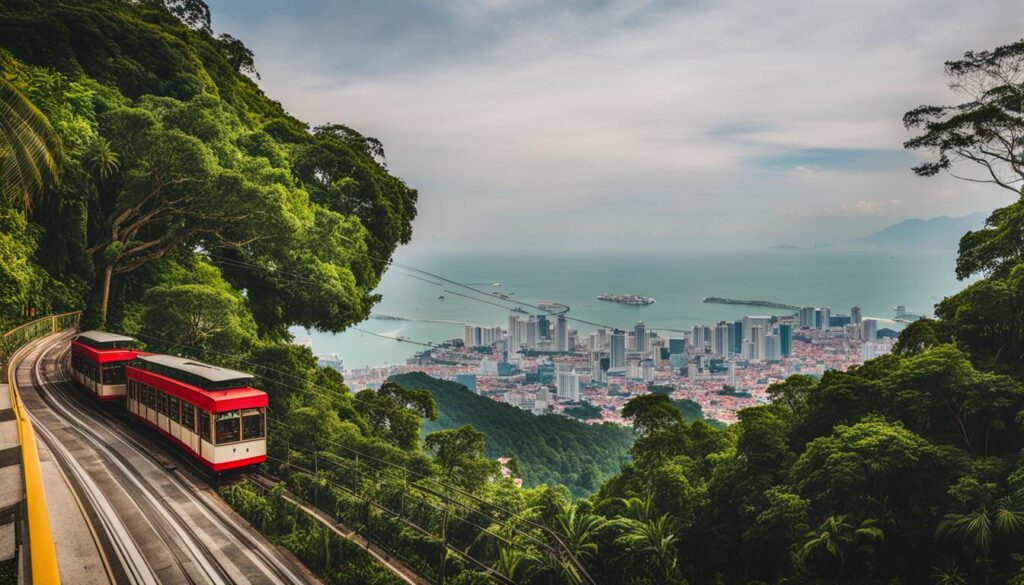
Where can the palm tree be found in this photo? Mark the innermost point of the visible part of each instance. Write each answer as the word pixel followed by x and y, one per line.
pixel 838 537
pixel 578 530
pixel 102 159
pixel 30 150
pixel 978 529
pixel 656 536
pixel 636 509
pixel 514 564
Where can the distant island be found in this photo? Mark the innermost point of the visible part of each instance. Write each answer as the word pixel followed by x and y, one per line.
pixel 937 233
pixel 630 299
pixel 755 303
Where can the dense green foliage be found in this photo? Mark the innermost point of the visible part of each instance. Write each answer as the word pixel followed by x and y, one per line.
pixel 338 560
pixel 193 212
pixel 548 449
pixel 170 151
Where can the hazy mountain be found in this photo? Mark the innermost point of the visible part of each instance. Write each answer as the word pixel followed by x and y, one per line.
pixel 941 233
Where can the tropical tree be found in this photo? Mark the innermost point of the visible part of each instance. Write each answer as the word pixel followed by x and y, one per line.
pixel 460 455
pixel 578 530
pixel 838 538
pixel 30 149
pixel 978 530
pixel 655 537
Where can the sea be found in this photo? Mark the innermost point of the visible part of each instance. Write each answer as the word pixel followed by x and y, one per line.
pixel 434 310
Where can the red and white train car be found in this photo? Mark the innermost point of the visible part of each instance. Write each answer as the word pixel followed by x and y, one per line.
pixel 213 413
pixel 98 360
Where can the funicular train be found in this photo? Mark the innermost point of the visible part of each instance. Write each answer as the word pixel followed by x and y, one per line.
pixel 213 414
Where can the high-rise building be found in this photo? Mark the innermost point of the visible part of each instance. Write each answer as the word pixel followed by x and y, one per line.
pixel 826 316
pixel 618 349
pixel 647 370
pixel 676 346
pixel 640 333
pixel 721 345
pixel 869 329
pixel 543 327
pixel 757 339
pixel 750 322
pixel 806 318
pixel 602 338
pixel 561 334
pixel 772 350
pixel 532 333
pixel 737 338
pixel 855 316
pixel 785 339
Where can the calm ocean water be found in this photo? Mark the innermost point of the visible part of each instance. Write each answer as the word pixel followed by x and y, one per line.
pixel 876 281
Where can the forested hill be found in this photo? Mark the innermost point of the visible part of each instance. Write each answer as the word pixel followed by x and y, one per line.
pixel 167 146
pixel 548 449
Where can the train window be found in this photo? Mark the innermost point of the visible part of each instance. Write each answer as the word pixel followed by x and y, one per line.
pixel 188 416
pixel 227 427
pixel 204 425
pixel 252 423
pixel 161 403
pixel 151 397
pixel 113 374
pixel 172 408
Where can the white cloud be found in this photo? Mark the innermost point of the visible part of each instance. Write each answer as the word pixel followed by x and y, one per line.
pixel 576 122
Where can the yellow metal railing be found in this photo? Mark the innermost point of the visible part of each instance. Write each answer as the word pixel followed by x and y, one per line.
pixel 42 554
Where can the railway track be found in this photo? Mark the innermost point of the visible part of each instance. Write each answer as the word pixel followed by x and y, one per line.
pixel 154 521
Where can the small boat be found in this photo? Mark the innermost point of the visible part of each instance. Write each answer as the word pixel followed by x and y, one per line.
pixel 441 297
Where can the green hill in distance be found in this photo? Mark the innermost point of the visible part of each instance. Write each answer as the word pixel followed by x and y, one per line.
pixel 548 449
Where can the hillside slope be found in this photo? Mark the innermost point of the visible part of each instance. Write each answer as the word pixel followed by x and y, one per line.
pixel 548 449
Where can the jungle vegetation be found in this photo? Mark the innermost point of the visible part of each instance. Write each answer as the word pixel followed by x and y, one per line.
pixel 147 180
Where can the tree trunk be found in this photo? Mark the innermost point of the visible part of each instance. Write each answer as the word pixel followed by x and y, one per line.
pixel 108 272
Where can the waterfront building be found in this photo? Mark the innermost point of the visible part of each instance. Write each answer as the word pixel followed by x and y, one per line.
pixel 757 338
pixel 806 318
pixel 750 322
pixel 618 349
pixel 543 327
pixel 737 338
pixel 869 329
pixel 568 384
pixel 855 315
pixel 561 334
pixel 826 315
pixel 785 339
pixel 720 339
pixel 640 333
pixel 532 333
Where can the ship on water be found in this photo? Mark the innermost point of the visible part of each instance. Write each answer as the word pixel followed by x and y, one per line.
pixel 629 299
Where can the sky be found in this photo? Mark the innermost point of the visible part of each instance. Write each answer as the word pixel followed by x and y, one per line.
pixel 637 125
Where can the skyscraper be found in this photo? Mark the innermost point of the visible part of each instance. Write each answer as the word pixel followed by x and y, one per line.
pixel 869 329
pixel 640 333
pixel 826 315
pixel 750 322
pixel 561 334
pixel 543 326
pixel 855 316
pixel 785 339
pixel 532 333
pixel 618 349
pixel 721 339
pixel 737 338
pixel 568 385
pixel 806 318
pixel 757 339
pixel 772 352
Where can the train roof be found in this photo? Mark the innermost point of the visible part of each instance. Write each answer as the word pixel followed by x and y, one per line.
pixel 104 340
pixel 191 369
